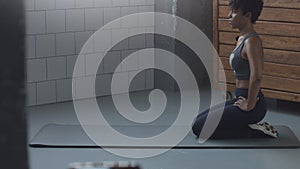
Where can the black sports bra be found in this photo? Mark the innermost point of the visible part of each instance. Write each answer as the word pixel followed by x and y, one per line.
pixel 238 64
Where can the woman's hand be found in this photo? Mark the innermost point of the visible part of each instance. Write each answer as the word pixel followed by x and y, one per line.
pixel 243 104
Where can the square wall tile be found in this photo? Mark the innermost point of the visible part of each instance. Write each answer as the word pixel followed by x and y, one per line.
pixel 30 46
pixel 94 18
pixel 64 90
pixel 128 10
pixel 138 2
pixel 132 63
pixel 102 41
pixel 85 87
pixel 137 82
pixel 31 94
pixel 111 13
pixel 91 64
pixel 120 2
pixel 122 85
pixel 46 92
pixel 146 59
pixel 36 70
pixel 35 22
pixel 137 41
pixel 120 39
pixel 146 8
pixel 84 3
pixel 82 39
pixel 44 4
pixel 56 21
pixel 102 85
pixel 56 68
pixel 103 3
pixel 65 4
pixel 111 61
pixel 71 60
pixel 75 20
pixel 65 44
pixel 149 79
pixel 45 45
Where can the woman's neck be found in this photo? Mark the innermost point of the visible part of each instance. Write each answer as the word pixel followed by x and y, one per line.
pixel 247 29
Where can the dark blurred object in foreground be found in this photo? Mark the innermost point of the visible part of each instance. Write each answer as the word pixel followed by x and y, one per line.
pixel 13 146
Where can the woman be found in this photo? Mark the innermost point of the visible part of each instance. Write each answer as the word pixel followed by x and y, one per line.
pixel 248 107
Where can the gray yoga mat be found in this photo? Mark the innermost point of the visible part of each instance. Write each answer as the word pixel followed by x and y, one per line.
pixel 64 136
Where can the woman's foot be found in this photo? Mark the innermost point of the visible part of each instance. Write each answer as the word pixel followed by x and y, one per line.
pixel 265 128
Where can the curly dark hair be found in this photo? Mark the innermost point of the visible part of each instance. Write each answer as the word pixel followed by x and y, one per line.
pixel 253 6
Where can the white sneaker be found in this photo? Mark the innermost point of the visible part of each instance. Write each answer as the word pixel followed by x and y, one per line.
pixel 266 128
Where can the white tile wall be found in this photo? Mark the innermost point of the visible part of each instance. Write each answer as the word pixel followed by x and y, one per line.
pixel 64 90
pixel 80 40
pixel 71 60
pixel 124 82
pixel 35 22
pixel 36 70
pixel 103 3
pixel 75 19
pixel 103 84
pixel 117 35
pixel 120 2
pixel 100 44
pixel 111 14
pixel 30 46
pixel 111 61
pixel 146 8
pixel 138 82
pixel 91 63
pixel 31 94
pixel 56 68
pixel 137 42
pixel 65 44
pixel 84 3
pixel 94 18
pixel 84 86
pixel 56 21
pixel 129 10
pixel 46 92
pixel 44 4
pixel 45 45
pixel 138 2
pixel 131 65
pixel 149 79
pixel 56 31
pixel 65 4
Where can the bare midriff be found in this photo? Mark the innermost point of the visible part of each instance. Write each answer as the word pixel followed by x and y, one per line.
pixel 244 84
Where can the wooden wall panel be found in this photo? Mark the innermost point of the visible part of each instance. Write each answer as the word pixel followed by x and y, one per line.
pixel 267 28
pixel 270 14
pixel 274 3
pixel 271 42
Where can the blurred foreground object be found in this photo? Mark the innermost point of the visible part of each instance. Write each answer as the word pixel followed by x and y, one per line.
pixel 13 137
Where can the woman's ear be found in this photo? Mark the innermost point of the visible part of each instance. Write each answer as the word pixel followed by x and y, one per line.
pixel 248 15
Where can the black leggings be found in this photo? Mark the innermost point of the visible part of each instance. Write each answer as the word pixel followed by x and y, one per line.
pixel 234 122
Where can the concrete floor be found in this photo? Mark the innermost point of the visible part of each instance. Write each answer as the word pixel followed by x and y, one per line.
pixel 285 113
